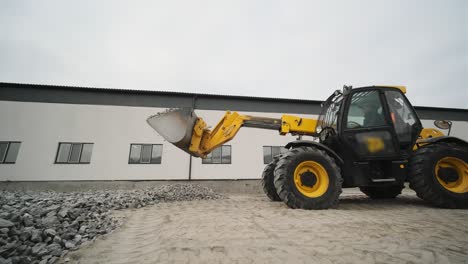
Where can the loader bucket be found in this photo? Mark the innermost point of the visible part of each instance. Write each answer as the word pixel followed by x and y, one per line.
pixel 175 125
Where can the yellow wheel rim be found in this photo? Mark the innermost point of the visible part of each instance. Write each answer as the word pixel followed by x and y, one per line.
pixel 460 185
pixel 311 179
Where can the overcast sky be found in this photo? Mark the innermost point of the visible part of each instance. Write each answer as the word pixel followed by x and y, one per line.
pixel 285 49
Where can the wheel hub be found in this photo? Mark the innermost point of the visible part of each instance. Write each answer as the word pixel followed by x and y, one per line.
pixel 311 179
pixel 448 175
pixel 452 174
pixel 308 179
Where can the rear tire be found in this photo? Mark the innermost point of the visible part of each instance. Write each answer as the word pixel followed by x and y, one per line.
pixel 426 176
pixel 268 178
pixel 308 178
pixel 387 192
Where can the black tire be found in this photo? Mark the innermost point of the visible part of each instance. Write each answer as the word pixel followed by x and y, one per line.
pixel 286 188
pixel 268 177
pixel 422 175
pixel 384 192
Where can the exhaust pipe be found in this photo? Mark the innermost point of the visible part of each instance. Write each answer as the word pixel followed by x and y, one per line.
pixel 175 126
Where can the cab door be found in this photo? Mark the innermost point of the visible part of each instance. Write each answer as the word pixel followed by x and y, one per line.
pixel 404 119
pixel 366 131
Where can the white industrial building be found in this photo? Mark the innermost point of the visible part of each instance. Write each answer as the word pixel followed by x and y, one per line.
pixel 56 133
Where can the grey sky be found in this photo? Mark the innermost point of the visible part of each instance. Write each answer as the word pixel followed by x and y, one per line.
pixel 287 49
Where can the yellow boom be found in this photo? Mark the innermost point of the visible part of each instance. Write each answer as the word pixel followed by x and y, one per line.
pixel 191 134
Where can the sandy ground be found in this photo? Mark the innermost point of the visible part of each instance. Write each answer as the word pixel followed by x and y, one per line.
pixel 250 229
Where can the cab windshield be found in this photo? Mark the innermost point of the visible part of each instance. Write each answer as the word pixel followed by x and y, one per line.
pixel 330 108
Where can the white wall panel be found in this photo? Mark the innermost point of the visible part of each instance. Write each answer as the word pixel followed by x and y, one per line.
pixel 41 126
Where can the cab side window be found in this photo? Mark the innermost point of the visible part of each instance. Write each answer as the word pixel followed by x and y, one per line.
pixel 402 115
pixel 365 110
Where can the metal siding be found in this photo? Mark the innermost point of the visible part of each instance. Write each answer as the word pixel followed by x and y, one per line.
pixel 92 97
pixel 442 113
pixel 257 105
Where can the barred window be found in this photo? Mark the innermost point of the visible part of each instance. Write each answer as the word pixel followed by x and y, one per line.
pixel 269 152
pixel 145 154
pixel 74 153
pixel 220 155
pixel 9 151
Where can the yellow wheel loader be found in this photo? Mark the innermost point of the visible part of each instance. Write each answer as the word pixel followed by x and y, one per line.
pixel 368 137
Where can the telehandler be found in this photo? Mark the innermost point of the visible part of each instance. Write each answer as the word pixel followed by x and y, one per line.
pixel 368 137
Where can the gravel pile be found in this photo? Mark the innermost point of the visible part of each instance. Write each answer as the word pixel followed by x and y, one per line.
pixel 41 227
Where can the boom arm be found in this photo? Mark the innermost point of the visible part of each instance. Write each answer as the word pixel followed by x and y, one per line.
pixel 204 140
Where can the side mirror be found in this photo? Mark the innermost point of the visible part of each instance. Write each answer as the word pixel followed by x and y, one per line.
pixel 443 124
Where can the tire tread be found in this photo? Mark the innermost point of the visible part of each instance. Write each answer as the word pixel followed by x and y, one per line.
pixel 288 196
pixel 268 181
pixel 420 176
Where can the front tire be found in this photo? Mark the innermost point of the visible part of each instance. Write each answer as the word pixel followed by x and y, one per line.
pixel 268 178
pixel 384 192
pixel 439 174
pixel 308 178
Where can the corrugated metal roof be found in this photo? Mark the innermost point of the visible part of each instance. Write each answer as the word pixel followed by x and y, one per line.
pixel 139 91
pixel 83 95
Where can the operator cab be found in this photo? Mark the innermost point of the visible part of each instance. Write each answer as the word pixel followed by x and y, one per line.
pixel 373 129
